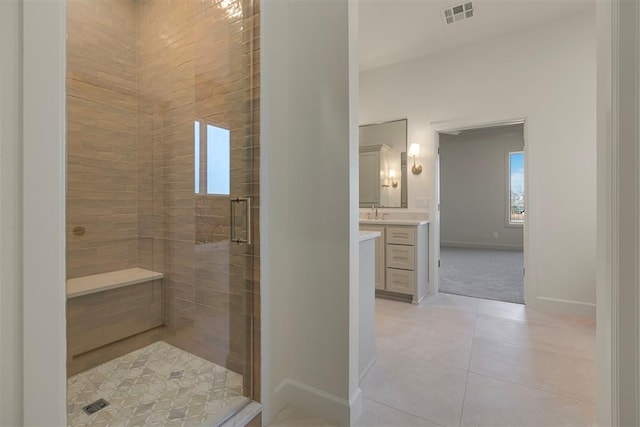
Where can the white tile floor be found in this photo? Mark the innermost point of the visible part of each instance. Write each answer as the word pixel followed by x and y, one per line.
pixel 459 361
pixel 157 385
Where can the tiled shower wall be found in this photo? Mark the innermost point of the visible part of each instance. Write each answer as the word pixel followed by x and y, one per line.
pixel 193 61
pixel 102 177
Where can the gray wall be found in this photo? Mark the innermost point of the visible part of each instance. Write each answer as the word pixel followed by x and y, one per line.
pixel 11 355
pixel 309 124
pixel 473 188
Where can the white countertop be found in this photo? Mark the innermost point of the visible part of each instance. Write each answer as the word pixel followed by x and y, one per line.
pixel 368 235
pixel 394 221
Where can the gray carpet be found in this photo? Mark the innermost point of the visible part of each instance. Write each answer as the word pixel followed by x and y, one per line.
pixel 482 273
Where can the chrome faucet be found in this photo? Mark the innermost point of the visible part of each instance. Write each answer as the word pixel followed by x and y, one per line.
pixel 374 208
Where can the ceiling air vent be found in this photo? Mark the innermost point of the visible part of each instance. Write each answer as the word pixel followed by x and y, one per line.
pixel 457 13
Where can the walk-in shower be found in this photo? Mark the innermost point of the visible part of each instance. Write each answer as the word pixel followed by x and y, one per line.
pixel 162 209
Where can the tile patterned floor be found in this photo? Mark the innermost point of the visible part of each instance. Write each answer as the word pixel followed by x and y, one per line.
pixel 158 385
pixel 460 361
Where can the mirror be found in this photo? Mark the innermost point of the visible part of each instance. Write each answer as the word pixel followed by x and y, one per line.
pixel 383 164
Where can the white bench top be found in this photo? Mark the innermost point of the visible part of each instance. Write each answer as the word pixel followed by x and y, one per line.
pixel 115 279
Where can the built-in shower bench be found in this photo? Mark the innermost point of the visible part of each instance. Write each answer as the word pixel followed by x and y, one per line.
pixel 110 314
pixel 114 279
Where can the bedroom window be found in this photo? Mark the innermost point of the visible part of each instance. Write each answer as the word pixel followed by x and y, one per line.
pixel 516 208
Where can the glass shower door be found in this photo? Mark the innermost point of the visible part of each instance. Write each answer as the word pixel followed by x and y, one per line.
pixel 198 82
pixel 163 183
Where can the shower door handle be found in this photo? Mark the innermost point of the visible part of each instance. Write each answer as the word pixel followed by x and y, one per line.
pixel 235 201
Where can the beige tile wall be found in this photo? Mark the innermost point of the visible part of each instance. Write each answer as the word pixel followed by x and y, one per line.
pixel 101 136
pixel 96 357
pixel 99 319
pixel 140 73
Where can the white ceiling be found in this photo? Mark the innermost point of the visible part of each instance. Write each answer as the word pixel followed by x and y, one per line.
pixel 398 30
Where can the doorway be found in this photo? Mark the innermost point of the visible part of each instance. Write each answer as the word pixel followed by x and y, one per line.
pixel 481 177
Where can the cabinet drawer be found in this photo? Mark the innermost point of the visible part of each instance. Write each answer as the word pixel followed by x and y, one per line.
pixel 399 256
pixel 401 235
pixel 400 281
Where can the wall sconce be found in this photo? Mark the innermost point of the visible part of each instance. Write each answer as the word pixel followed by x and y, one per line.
pixel 392 175
pixel 414 151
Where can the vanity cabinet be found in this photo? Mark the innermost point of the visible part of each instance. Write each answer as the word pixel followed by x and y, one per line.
pixel 379 251
pixel 402 260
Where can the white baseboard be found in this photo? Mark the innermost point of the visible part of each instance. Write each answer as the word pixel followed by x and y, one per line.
pixel 473 245
pixel 576 308
pixel 319 403
pixel 355 405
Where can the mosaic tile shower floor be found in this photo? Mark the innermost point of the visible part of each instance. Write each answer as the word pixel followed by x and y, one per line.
pixel 158 385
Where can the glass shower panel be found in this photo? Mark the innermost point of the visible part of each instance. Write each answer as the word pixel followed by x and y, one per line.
pixel 162 160
pixel 195 99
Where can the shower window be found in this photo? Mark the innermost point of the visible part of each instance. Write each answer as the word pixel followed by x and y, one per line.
pixel 212 159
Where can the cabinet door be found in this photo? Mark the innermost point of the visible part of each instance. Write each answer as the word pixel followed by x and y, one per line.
pixel 369 179
pixel 400 281
pixel 400 256
pixel 380 274
pixel 401 235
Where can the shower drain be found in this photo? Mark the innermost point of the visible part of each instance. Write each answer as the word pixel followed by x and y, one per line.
pixel 94 407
